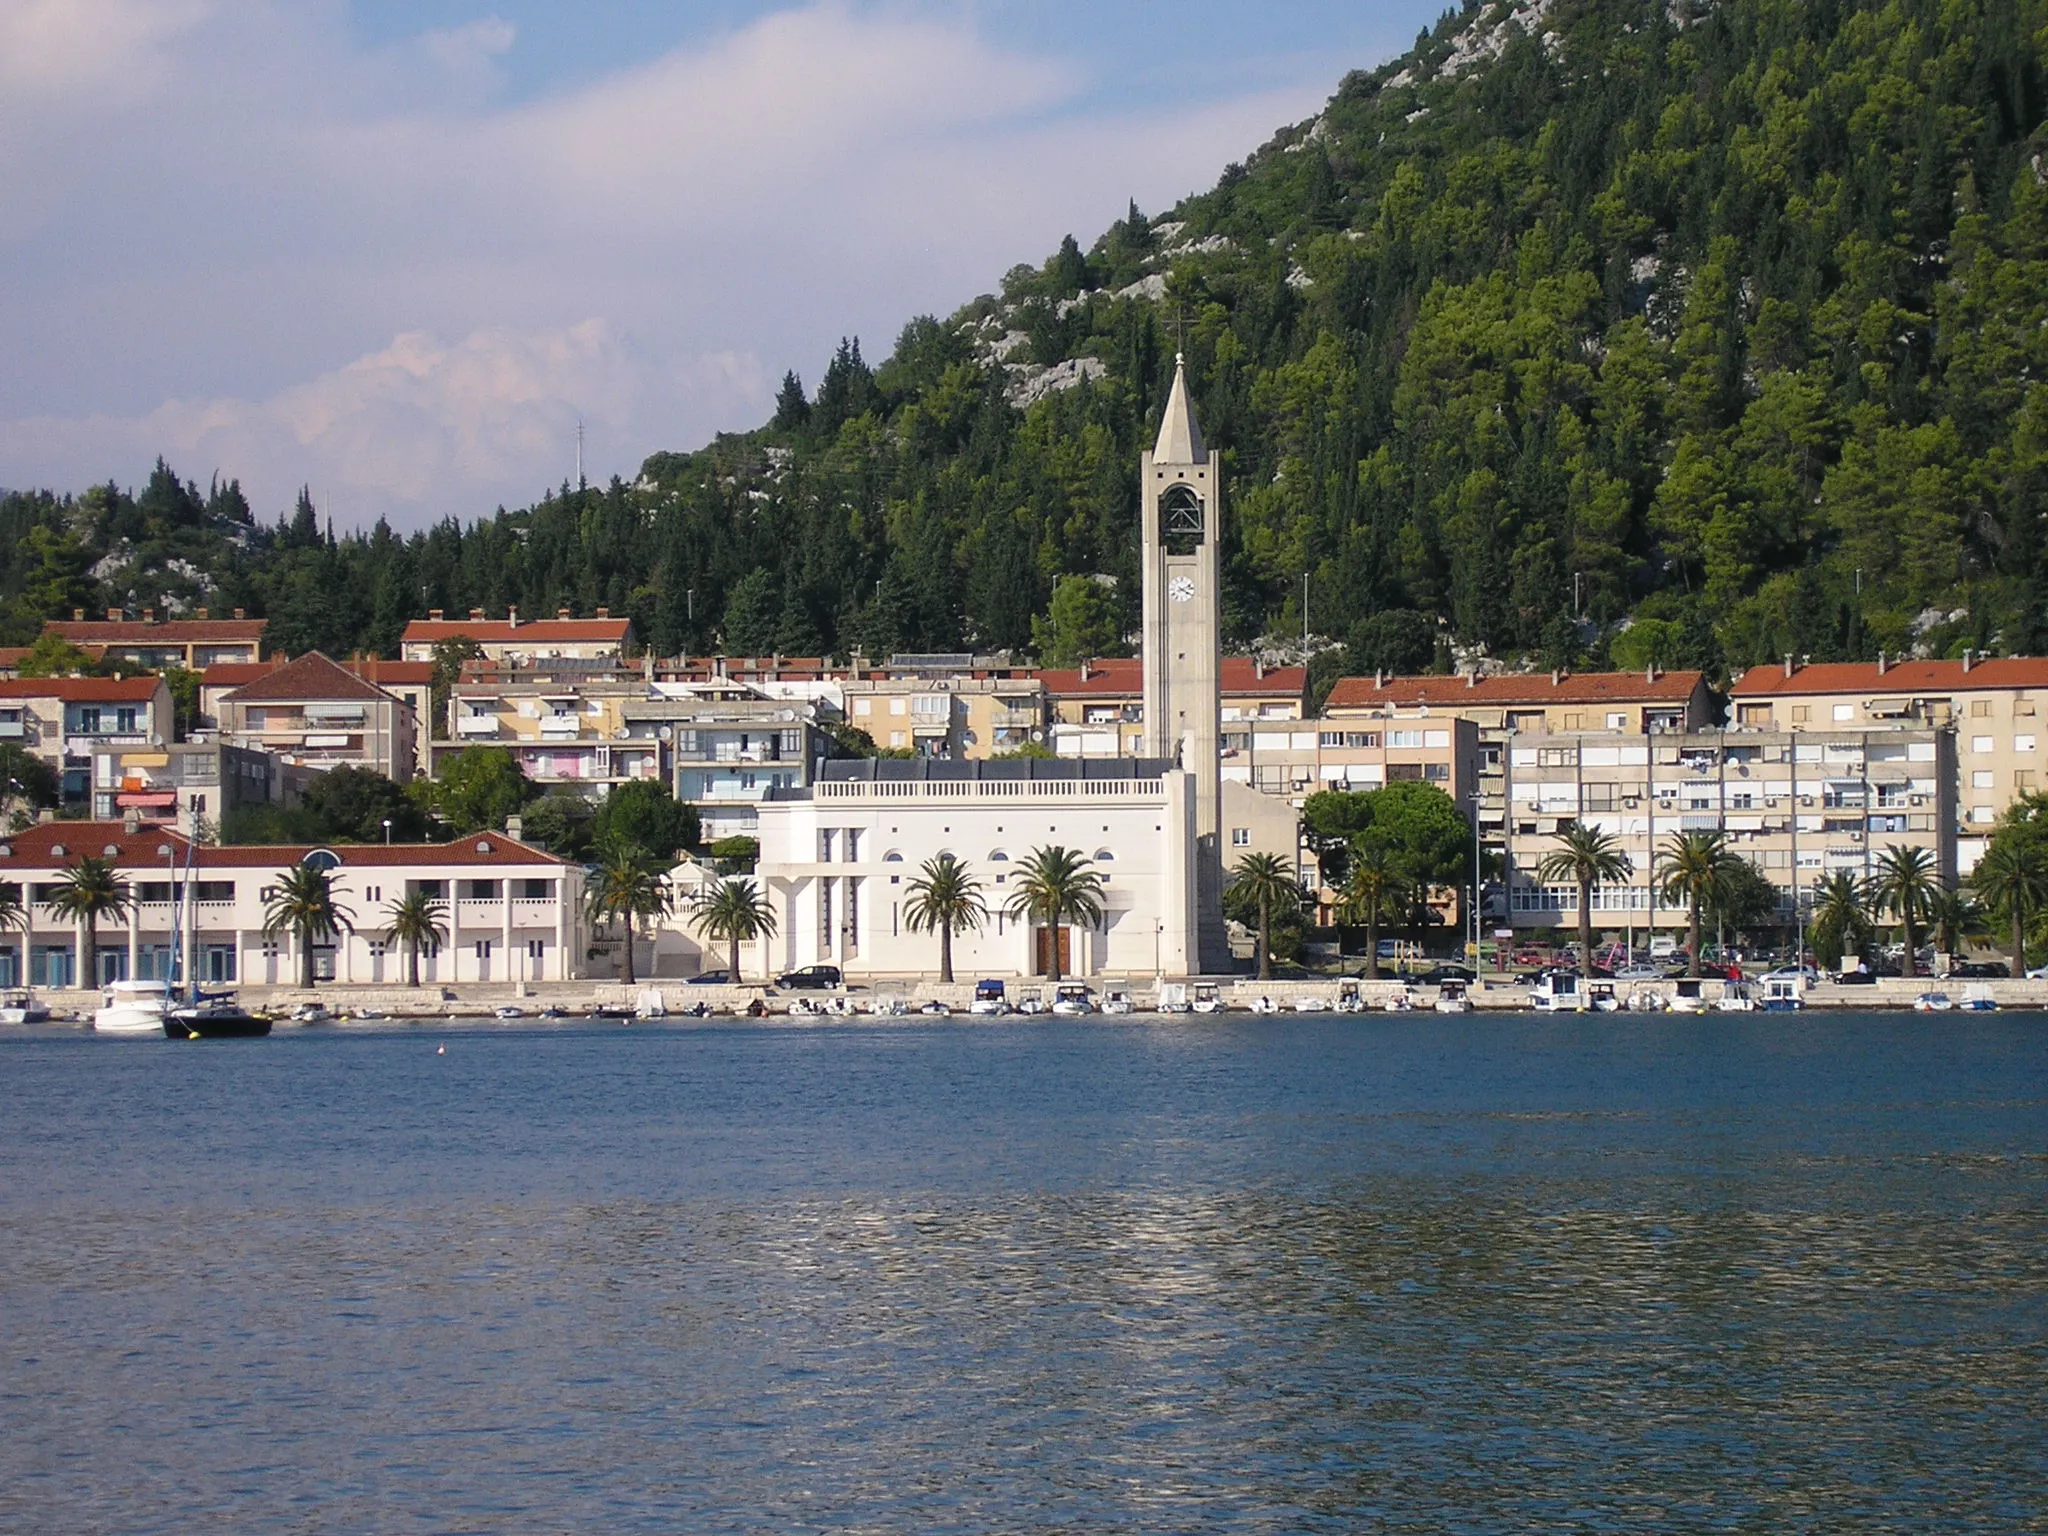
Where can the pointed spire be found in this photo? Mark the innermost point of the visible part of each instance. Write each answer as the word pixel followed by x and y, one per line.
pixel 1180 440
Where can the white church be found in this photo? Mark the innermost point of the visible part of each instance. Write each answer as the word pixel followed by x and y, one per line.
pixel 838 859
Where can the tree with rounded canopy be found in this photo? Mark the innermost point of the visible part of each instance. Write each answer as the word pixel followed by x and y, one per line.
pixel 1841 918
pixel 479 787
pixel 352 804
pixel 1082 621
pixel 644 813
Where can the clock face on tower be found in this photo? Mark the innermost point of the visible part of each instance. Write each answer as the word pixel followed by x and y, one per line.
pixel 1181 589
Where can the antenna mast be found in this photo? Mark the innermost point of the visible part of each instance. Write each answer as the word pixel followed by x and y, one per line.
pixel 579 453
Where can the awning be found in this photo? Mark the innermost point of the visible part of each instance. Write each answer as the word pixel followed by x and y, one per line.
pixel 147 799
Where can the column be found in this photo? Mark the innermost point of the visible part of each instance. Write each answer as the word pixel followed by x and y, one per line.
pixel 134 939
pixel 562 929
pixel 513 970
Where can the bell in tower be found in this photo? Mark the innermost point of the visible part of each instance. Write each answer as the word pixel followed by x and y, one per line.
pixel 1182 522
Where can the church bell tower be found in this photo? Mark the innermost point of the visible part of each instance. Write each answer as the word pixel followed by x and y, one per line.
pixel 1182 498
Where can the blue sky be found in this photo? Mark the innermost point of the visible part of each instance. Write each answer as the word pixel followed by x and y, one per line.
pixel 396 251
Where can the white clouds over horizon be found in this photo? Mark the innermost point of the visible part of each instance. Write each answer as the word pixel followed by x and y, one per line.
pixel 237 237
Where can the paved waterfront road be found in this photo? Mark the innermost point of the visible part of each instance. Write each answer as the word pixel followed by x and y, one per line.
pixel 1403 1274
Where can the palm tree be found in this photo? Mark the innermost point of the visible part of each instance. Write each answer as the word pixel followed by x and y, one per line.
pixel 14 918
pixel 1261 879
pixel 303 905
pixel 1372 884
pixel 944 897
pixel 1587 857
pixel 1056 883
pixel 1841 915
pixel 1956 919
pixel 415 923
pixel 627 885
pixel 90 890
pixel 1907 882
pixel 737 913
pixel 2013 878
pixel 1692 865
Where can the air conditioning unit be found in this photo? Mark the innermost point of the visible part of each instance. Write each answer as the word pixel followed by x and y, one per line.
pixel 1771 801
pixel 1855 837
pixel 1918 799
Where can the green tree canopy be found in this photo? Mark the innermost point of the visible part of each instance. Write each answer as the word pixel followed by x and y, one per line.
pixel 1084 622
pixel 479 787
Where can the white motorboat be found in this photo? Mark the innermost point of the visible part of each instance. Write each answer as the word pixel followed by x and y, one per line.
pixel 990 999
pixel 1030 1001
pixel 311 1013
pixel 1173 998
pixel 1933 1002
pixel 888 1006
pixel 1207 998
pixel 1402 1001
pixel 650 1004
pixel 1685 996
pixel 1070 999
pixel 1783 993
pixel 508 1011
pixel 133 1008
pixel 1737 997
pixel 1555 992
pixel 1601 999
pixel 935 1010
pixel 1305 1004
pixel 1451 997
pixel 22 1008
pixel 1117 1002
pixel 1264 1004
pixel 1977 998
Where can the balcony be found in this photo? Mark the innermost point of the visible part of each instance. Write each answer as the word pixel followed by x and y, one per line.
pixel 13 730
pixel 470 726
pixel 560 728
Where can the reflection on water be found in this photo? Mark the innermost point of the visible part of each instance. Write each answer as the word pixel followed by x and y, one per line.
pixel 1263 1279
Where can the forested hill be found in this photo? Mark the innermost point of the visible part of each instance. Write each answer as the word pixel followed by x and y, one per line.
pixel 1723 325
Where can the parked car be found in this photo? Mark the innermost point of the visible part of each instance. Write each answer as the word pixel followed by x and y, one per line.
pixel 710 979
pixel 813 978
pixel 1436 976
pixel 1640 972
pixel 1804 973
pixel 1856 979
pixel 1980 969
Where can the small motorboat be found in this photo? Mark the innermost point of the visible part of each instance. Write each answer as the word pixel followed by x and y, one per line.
pixel 1030 1001
pixel 1070 999
pixel 803 1008
pixel 935 1010
pixel 1737 997
pixel 1402 1001
pixel 1782 994
pixel 888 1006
pixel 990 999
pixel 650 1004
pixel 1685 996
pixel 132 1008
pixel 313 1013
pixel 612 1011
pixel 1117 1003
pixel 1555 992
pixel 366 1013
pixel 1451 997
pixel 1601 999
pixel 214 1018
pixel 1933 1002
pixel 22 1008
pixel 1264 1004
pixel 1173 998
pixel 552 1012
pixel 1311 1005
pixel 1207 998
pixel 508 1011
pixel 840 1007
pixel 1977 998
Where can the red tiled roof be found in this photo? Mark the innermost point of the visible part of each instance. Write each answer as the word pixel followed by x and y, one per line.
pixel 1123 676
pixel 12 655
pixel 1515 688
pixel 312 676
pixel 233 674
pixel 503 631
pixel 84 690
pixel 134 631
pixel 384 673
pixel 35 847
pixel 1897 677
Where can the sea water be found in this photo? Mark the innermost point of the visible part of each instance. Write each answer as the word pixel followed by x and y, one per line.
pixel 1403 1274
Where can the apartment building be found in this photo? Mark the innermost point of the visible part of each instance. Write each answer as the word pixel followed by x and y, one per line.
pixel 1798 804
pixel 565 723
pixel 65 720
pixel 838 860
pixel 1098 708
pixel 962 714
pixel 520 641
pixel 512 912
pixel 314 713
pixel 191 784
pixel 157 642
pixel 1993 703
pixel 727 750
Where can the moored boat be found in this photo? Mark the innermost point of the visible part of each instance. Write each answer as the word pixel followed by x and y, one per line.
pixel 1977 998
pixel 1451 997
pixel 1071 998
pixel 22 1008
pixel 214 1018
pixel 1933 1002
pixel 132 1008
pixel 1207 999
pixel 1117 1002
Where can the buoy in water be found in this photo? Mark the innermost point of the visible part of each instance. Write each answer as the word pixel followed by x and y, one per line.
pixel 440 1050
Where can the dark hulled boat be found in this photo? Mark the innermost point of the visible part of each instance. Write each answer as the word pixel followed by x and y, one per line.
pixel 214 1019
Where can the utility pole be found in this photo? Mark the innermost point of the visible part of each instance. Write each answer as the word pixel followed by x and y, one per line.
pixel 579 453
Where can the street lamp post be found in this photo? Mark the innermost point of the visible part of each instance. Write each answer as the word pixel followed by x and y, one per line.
pixel 387 831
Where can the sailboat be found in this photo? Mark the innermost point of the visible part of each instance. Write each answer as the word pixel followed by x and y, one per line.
pixel 201 1016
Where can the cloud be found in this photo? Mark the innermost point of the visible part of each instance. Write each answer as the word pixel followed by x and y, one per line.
pixel 299 219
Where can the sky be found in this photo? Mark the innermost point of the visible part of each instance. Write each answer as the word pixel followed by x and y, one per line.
pixel 395 250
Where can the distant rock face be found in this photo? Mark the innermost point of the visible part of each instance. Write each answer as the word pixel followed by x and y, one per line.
pixel 1030 384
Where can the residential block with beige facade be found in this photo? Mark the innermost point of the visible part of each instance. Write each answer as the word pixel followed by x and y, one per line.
pixel 949 708
pixel 194 643
pixel 1098 708
pixel 1798 804
pixel 314 713
pixel 65 720
pixel 1994 704
pixel 520 640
